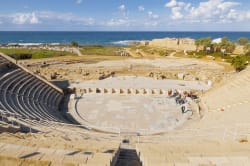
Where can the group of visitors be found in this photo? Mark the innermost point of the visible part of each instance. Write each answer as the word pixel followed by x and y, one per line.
pixel 181 98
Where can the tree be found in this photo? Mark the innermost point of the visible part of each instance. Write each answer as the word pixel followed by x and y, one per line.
pixel 74 44
pixel 230 47
pixel 226 44
pixel 242 41
pixel 247 49
pixel 204 42
pixel 239 63
pixel 224 40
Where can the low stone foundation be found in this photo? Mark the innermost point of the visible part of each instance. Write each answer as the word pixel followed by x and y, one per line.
pixel 118 91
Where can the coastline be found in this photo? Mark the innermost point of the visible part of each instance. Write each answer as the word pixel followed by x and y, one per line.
pixel 104 38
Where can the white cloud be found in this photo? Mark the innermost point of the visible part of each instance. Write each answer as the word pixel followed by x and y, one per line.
pixel 118 22
pixel 248 15
pixel 212 9
pixel 171 4
pixel 34 19
pixel 66 17
pixel 232 14
pixel 122 8
pixel 181 4
pixel 187 7
pixel 78 1
pixel 177 8
pixel 151 24
pixel 47 17
pixel 174 3
pixel 25 18
pixel 121 20
pixel 227 5
pixel 176 13
pixel 141 8
pixel 207 11
pixel 151 15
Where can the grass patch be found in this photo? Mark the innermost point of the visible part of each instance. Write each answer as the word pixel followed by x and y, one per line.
pixel 100 50
pixel 36 53
pixel 153 51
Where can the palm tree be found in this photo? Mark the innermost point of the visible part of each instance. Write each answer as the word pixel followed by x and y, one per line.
pixel 226 44
pixel 204 42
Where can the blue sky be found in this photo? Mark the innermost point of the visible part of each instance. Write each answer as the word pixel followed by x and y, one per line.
pixel 125 15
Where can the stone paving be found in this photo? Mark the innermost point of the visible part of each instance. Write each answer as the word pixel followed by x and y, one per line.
pixel 131 112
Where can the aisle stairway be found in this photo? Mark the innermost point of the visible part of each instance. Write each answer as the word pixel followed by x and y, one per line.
pixel 128 157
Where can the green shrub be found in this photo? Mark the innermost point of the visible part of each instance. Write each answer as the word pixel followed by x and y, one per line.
pixel 21 56
pixel 239 63
pixel 74 44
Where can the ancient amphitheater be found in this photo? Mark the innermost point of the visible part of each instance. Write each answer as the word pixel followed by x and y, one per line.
pixel 123 120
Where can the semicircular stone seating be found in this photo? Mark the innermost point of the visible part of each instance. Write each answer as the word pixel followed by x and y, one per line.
pixel 25 95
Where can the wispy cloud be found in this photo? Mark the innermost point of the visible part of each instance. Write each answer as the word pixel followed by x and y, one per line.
pixel 122 8
pixel 65 17
pixel 119 22
pixel 39 17
pixel 151 15
pixel 78 1
pixel 25 18
pixel 141 8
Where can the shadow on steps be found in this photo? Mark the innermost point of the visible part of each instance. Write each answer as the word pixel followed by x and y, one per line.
pixel 128 157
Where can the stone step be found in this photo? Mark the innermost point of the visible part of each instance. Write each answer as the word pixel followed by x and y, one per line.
pixel 128 157
pixel 48 156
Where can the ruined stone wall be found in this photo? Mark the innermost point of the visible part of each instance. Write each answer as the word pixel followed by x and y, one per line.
pixel 174 43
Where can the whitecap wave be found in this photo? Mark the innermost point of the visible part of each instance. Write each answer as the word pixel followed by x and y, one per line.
pixel 54 44
pixel 33 44
pixel 26 44
pixel 125 42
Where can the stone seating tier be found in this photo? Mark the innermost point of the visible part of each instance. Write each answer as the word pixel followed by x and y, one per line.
pixel 25 95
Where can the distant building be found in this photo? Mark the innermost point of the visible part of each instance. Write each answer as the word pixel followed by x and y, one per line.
pixel 175 43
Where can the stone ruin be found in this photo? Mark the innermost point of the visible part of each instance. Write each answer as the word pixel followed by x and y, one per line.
pixel 187 44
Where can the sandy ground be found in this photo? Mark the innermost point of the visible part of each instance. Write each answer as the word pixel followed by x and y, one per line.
pixel 93 67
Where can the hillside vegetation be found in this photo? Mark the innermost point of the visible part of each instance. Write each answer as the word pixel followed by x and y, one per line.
pixel 25 53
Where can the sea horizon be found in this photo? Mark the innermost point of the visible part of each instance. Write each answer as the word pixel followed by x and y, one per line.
pixel 116 31
pixel 116 38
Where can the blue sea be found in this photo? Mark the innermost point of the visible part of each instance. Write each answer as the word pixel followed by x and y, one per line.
pixel 104 38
